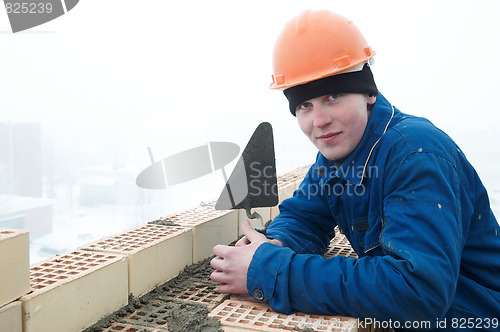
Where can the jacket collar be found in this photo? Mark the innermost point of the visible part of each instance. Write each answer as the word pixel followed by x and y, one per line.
pixel 354 166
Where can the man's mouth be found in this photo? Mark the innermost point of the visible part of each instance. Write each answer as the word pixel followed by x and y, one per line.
pixel 330 137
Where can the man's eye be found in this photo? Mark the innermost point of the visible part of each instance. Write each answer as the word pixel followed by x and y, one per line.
pixel 304 106
pixel 333 96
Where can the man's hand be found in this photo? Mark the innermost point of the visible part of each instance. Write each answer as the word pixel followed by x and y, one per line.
pixel 231 263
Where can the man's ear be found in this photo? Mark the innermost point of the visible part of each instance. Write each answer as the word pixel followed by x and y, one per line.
pixel 372 99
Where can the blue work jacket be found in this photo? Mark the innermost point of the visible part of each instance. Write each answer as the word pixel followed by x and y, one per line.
pixel 417 215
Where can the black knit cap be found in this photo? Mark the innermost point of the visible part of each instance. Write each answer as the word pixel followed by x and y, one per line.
pixel 353 82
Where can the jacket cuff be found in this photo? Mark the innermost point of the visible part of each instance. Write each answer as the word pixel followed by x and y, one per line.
pixel 264 268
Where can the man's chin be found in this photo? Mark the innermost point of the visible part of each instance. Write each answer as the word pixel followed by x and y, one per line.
pixel 332 156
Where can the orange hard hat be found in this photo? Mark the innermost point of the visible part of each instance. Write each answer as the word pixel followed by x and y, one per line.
pixel 317 44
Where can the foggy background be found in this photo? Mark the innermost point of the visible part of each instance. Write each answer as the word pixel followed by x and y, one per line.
pixel 83 96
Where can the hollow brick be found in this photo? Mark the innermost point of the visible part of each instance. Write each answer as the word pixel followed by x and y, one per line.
pixel 260 317
pixel 74 290
pixel 210 227
pixel 155 253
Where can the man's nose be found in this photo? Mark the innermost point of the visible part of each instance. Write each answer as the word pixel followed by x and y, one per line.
pixel 321 116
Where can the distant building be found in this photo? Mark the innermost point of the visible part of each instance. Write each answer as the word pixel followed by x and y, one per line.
pixel 21 159
pixel 21 184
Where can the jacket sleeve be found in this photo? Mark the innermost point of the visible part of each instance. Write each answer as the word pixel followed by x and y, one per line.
pixel 305 223
pixel 415 279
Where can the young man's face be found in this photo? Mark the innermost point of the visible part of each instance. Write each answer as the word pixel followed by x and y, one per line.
pixel 335 123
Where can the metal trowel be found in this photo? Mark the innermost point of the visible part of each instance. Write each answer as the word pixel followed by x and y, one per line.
pixel 253 181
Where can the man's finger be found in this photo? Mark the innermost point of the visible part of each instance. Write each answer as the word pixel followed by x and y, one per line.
pixel 250 233
pixel 220 250
pixel 242 242
pixel 220 277
pixel 217 263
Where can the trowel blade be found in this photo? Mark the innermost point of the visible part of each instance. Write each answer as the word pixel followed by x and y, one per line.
pixel 253 181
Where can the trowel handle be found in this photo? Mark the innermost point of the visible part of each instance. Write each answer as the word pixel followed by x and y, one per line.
pixel 255 215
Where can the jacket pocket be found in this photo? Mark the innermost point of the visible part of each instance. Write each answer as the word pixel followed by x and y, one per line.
pixel 366 233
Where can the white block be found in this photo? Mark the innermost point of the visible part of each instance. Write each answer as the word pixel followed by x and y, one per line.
pixel 155 254
pixel 10 317
pixel 210 227
pixel 14 264
pixel 74 290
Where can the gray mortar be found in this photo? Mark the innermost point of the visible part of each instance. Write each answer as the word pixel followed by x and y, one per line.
pixel 180 316
pixel 165 222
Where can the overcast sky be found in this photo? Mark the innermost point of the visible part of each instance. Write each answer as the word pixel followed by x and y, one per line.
pixel 113 77
pixel 175 74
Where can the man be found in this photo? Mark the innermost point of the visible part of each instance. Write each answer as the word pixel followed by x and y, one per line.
pixel 401 190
